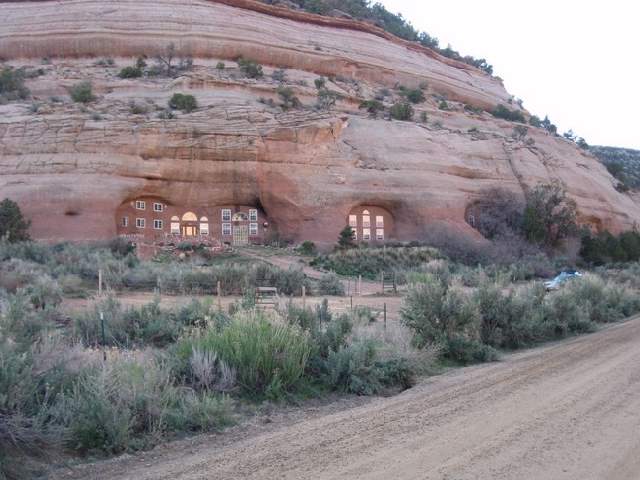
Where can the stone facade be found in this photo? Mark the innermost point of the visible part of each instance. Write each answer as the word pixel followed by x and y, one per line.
pixel 152 219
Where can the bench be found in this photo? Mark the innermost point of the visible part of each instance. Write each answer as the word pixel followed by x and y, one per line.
pixel 266 297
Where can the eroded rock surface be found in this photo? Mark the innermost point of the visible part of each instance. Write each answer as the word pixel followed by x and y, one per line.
pixel 70 166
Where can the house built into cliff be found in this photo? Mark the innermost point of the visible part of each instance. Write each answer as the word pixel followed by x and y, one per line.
pixel 371 224
pixel 153 220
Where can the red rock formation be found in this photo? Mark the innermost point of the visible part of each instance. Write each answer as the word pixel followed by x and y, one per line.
pixel 70 167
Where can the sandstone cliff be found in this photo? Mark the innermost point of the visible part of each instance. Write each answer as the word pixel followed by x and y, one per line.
pixel 70 166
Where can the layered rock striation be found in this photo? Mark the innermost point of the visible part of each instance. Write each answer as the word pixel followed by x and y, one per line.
pixel 71 165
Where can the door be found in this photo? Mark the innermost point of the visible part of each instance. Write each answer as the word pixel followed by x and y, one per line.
pixel 240 235
pixel 189 231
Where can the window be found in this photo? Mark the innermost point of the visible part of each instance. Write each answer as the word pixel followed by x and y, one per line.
pixel 158 224
pixel 175 228
pixel 379 221
pixel 140 205
pixel 353 221
pixel 125 221
pixel 366 234
pixel 366 221
pixel 189 217
pixel 253 215
pixel 355 235
pixel 226 214
pixel 380 233
pixel 140 223
pixel 204 228
pixel 158 207
pixel 226 229
pixel 253 229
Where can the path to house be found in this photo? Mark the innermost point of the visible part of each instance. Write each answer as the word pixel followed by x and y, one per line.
pixel 567 411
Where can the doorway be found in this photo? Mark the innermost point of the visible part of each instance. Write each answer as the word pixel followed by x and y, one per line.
pixel 189 230
pixel 240 235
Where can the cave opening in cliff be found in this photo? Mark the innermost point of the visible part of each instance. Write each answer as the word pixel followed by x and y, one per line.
pixel 153 220
pixel 371 224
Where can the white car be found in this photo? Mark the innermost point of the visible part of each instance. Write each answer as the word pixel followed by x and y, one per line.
pixel 557 282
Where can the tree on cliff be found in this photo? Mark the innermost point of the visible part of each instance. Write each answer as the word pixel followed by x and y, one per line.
pixel 549 215
pixel 13 225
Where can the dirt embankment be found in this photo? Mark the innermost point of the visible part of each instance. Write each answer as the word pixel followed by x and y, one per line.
pixel 565 412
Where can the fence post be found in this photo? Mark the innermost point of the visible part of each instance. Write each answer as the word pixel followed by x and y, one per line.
pixel 104 338
pixel 385 316
pixel 359 285
pixel 351 298
pixel 219 292
pixel 100 282
pixel 304 297
pixel 382 281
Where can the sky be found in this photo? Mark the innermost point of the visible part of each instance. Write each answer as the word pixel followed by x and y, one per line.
pixel 576 61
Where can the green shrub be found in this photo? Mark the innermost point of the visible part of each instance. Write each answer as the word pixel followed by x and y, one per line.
pixel 12 84
pixel 82 92
pixel 443 105
pixel 326 99
pixel 137 108
pixel 507 114
pixel 279 75
pixel 250 68
pixel 327 333
pixel 289 100
pixel 354 369
pixel 372 106
pixel 44 292
pixel 331 284
pixel 128 327
pixel 196 412
pixel 414 95
pixel 269 358
pixel 437 312
pixel 465 351
pixel 220 66
pixel 307 248
pixel 370 262
pixel 130 72
pixel 606 248
pixel 128 404
pixel 184 102
pixel 401 111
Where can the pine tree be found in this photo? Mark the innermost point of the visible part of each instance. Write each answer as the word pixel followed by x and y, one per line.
pixel 13 225
pixel 346 238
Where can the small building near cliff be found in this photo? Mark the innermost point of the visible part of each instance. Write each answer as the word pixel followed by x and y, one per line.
pixel 153 220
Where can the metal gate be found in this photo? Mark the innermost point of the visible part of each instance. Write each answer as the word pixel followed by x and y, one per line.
pixel 240 235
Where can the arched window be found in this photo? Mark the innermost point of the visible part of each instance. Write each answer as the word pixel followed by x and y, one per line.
pixel 189 217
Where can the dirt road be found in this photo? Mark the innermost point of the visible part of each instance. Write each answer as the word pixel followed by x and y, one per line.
pixel 566 411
